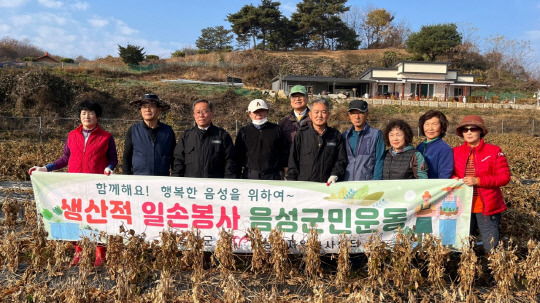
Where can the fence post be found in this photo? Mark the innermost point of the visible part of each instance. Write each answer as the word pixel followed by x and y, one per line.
pixel 236 123
pixel 40 131
pixel 502 126
pixel 533 128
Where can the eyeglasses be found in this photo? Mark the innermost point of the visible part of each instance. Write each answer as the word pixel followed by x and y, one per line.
pixel 201 113
pixel 471 129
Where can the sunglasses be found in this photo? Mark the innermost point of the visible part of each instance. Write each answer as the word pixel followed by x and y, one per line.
pixel 471 129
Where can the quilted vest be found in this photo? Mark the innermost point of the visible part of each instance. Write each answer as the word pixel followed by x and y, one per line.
pixel 151 158
pixel 399 166
pixel 92 158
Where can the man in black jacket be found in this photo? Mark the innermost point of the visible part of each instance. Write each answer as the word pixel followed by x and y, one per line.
pixel 205 151
pixel 299 115
pixel 261 146
pixel 318 153
pixel 149 144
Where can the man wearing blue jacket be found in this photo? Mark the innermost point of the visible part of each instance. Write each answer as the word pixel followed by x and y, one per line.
pixel 149 145
pixel 364 145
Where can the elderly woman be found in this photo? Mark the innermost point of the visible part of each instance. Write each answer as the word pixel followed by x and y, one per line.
pixel 401 160
pixel 89 149
pixel 484 167
pixel 437 153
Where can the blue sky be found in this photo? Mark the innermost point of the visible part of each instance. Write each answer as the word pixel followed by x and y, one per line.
pixel 94 28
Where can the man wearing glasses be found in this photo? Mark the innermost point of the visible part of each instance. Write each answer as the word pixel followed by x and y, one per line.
pixel 299 115
pixel 204 151
pixel 364 145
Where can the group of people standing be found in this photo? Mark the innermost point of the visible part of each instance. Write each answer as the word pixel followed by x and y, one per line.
pixel 300 147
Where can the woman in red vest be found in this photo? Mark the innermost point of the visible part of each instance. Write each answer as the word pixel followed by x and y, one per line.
pixel 89 149
pixel 484 167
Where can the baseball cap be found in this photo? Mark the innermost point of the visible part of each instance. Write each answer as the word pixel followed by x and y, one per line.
pixel 257 104
pixel 298 89
pixel 360 105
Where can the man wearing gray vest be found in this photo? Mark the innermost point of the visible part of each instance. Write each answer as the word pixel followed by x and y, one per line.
pixel 364 145
pixel 149 145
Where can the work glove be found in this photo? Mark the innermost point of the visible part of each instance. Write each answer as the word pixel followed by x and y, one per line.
pixel 331 180
pixel 37 168
pixel 108 171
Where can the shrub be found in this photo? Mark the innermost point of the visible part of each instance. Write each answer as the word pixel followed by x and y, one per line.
pixel 152 57
pixel 202 51
pixel 28 59
pixel 67 60
pixel 178 54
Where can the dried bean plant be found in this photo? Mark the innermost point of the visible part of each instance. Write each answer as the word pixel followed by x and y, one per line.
pixel 504 268
pixel 10 251
pixel 468 270
pixel 223 253
pixel 278 254
pixel 39 244
pixel 259 258
pixel 377 253
pixel 312 256
pixel 530 268
pixel 401 261
pixel 436 256
pixel 193 255
pixel 344 262
pixel 233 291
pixel 10 207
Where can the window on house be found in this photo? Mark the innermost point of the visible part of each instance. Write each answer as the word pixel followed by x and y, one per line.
pixel 382 89
pixel 423 90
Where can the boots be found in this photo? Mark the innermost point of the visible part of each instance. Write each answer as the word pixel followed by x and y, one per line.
pixel 101 252
pixel 77 256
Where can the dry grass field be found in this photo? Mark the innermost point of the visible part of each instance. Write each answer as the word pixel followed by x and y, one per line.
pixel 36 270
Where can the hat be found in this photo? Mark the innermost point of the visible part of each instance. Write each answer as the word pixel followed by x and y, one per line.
pixel 360 105
pixel 472 120
pixel 257 104
pixel 298 89
pixel 150 98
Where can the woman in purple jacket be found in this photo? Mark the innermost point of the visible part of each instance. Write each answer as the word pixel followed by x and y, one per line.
pixel 438 154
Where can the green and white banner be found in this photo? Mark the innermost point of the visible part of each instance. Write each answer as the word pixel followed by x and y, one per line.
pixel 79 205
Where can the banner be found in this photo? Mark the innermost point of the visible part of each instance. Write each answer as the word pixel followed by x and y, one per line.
pixel 79 205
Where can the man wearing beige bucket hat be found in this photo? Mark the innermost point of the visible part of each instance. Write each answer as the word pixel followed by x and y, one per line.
pixel 149 144
pixel 484 167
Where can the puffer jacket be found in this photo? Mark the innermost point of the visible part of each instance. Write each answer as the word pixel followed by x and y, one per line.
pixel 491 167
pixel 90 157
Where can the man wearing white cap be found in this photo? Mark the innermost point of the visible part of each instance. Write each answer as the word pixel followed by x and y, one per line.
pixel 261 145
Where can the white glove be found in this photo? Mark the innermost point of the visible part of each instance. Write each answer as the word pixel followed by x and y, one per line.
pixel 37 168
pixel 108 171
pixel 331 180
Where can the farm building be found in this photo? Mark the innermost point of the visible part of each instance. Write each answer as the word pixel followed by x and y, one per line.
pixel 405 80
pixel 46 58
pixel 420 80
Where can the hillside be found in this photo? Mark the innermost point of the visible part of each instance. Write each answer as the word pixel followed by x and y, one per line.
pixel 36 91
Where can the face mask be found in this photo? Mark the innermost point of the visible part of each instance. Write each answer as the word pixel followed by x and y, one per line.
pixel 259 122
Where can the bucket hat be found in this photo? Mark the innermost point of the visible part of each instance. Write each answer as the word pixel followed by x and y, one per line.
pixel 150 98
pixel 472 120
